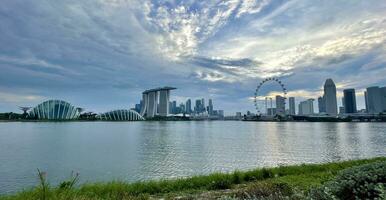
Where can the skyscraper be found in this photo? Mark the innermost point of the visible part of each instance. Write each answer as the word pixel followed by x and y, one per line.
pixel 383 98
pixel 306 107
pixel 330 97
pixel 156 102
pixel 181 108
pixel 366 102
pixel 210 107
pixel 280 105
pixel 349 101
pixel 203 108
pixel 374 100
pixel 197 107
pixel 321 105
pixel 138 106
pixel 174 107
pixel 188 106
pixel 292 106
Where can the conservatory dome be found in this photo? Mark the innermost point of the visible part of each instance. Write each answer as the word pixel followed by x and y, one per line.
pixel 54 110
pixel 121 115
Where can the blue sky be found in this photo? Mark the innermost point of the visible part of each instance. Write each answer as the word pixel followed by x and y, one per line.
pixel 101 54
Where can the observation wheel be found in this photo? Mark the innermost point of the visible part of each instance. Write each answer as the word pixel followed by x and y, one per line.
pixel 257 96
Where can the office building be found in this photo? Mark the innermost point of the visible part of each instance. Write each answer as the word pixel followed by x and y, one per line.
pixel 238 115
pixel 306 107
pixel 280 105
pixel 271 111
pixel 138 106
pixel 174 107
pixel 321 105
pixel 197 107
pixel 203 108
pixel 210 107
pixel 181 108
pixel 221 113
pixel 366 102
pixel 188 106
pixel 342 110
pixel 349 101
pixel 292 106
pixel 383 98
pixel 330 97
pixel 374 98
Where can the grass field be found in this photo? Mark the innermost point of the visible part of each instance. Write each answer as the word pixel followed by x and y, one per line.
pixel 258 182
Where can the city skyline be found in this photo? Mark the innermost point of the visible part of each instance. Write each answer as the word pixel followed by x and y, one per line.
pixel 327 102
pixel 101 55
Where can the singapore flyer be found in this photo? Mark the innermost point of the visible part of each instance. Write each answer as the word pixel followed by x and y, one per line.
pixel 258 96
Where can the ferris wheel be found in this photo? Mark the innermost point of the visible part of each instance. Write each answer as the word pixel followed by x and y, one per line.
pixel 274 80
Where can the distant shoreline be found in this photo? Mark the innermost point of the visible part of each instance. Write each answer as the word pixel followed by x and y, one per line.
pixel 259 121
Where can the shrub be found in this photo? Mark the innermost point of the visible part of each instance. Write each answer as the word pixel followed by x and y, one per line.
pixel 220 182
pixel 361 182
pixel 237 177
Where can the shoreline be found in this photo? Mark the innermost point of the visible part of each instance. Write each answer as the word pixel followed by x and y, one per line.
pixel 292 177
pixel 259 121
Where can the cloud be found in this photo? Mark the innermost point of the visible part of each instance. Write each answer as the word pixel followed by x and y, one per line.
pixel 13 98
pixel 109 51
pixel 251 7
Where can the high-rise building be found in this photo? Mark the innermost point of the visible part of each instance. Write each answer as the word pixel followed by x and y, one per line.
pixel 383 98
pixel 330 97
pixel 349 101
pixel 343 101
pixel 198 106
pixel 238 115
pixel 170 107
pixel 306 107
pixel 366 102
pixel 280 105
pixel 321 105
pixel 292 106
pixel 271 111
pixel 342 110
pixel 188 106
pixel 138 106
pixel 181 108
pixel 221 113
pixel 203 108
pixel 156 102
pixel 210 107
pixel 174 107
pixel 374 100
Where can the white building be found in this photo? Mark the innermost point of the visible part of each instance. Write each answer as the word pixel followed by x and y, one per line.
pixel 306 107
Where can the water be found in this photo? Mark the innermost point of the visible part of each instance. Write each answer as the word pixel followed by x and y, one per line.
pixel 132 151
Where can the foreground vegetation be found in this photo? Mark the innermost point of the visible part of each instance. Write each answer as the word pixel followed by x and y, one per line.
pixel 342 180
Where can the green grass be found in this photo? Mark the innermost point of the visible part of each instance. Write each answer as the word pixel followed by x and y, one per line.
pixel 302 177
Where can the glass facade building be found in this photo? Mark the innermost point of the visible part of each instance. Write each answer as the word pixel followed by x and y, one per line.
pixel 54 110
pixel 349 101
pixel 121 115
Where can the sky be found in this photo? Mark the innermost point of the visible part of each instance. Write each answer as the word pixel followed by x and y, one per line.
pixel 101 54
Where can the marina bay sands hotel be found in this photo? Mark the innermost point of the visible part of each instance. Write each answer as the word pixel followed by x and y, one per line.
pixel 156 102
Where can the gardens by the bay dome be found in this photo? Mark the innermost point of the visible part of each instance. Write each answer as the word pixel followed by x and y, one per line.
pixel 54 110
pixel 121 115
